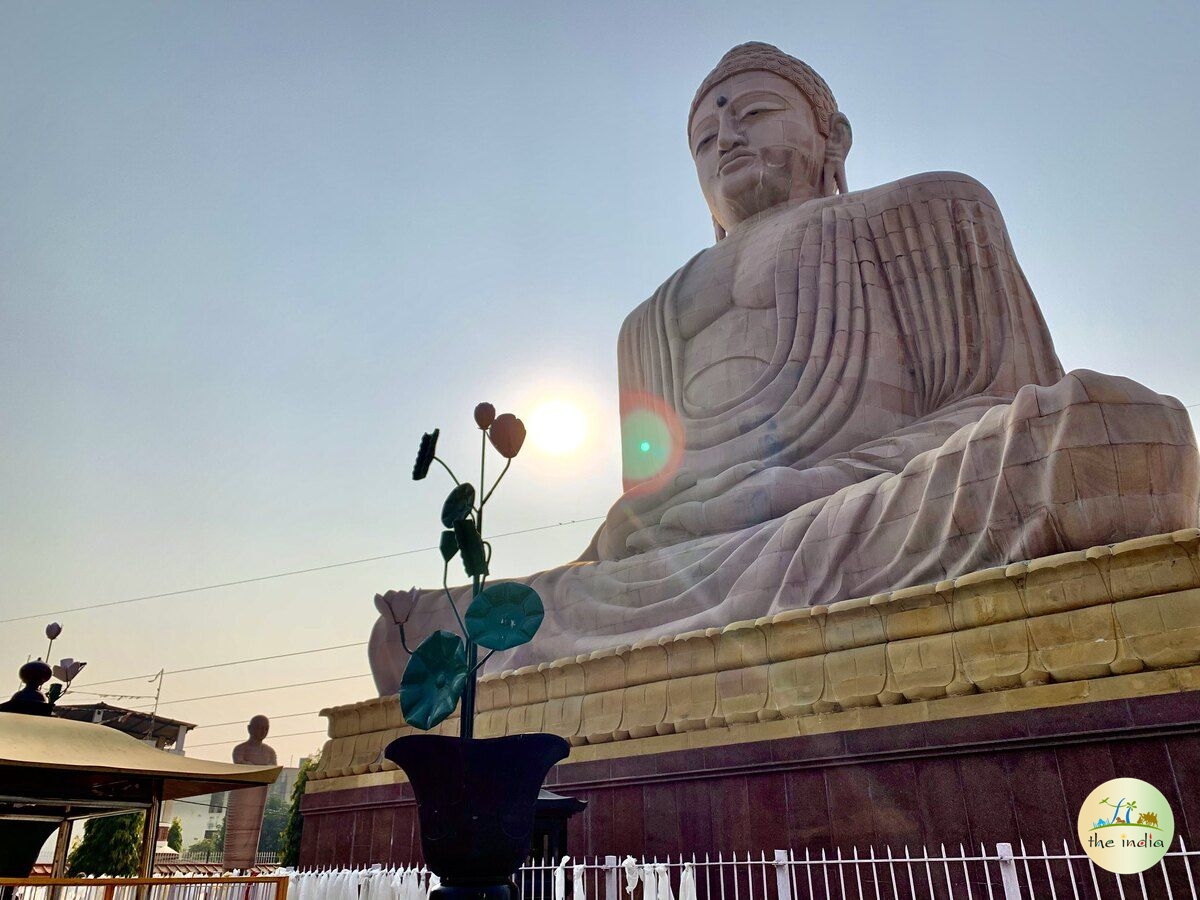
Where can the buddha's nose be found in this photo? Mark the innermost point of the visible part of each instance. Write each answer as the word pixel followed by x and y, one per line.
pixel 729 135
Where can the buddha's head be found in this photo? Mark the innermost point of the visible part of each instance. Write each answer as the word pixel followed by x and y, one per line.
pixel 258 727
pixel 764 129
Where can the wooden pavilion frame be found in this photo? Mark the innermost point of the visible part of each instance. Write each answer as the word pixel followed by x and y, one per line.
pixel 54 771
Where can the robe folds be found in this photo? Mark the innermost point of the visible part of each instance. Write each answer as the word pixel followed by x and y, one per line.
pixel 910 423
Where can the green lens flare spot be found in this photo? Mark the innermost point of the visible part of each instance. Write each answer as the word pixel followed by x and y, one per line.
pixel 646 444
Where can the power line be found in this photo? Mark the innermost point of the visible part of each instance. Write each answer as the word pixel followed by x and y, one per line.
pixel 277 687
pixel 235 662
pixel 308 571
pixel 225 584
pixel 239 740
pixel 207 805
pixel 114 696
pixel 272 718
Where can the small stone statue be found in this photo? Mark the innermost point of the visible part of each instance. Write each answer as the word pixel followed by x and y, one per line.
pixel 243 819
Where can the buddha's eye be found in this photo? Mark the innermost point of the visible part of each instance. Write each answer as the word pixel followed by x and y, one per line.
pixel 704 143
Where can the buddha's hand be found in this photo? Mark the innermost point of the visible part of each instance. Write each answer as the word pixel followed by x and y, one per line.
pixel 766 495
pixel 634 522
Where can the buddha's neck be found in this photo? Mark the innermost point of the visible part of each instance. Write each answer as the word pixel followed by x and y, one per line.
pixel 761 216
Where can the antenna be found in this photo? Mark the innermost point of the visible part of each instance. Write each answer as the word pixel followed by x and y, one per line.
pixel 157 693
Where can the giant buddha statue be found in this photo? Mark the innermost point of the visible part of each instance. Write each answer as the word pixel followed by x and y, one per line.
pixel 849 392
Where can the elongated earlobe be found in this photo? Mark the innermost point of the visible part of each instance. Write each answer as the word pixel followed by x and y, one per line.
pixel 837 147
pixel 718 230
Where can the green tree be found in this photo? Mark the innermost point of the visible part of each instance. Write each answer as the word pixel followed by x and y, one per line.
pixel 175 835
pixel 275 816
pixel 289 840
pixel 213 846
pixel 111 845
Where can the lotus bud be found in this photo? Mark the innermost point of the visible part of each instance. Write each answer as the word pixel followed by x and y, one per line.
pixel 485 415
pixel 507 435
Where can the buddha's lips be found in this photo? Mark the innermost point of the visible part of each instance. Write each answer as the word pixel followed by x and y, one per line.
pixel 734 158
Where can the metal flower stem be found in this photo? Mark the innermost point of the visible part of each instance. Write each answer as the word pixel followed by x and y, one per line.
pixel 466 720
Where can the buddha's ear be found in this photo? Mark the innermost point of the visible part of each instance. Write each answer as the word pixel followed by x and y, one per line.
pixel 718 229
pixel 837 148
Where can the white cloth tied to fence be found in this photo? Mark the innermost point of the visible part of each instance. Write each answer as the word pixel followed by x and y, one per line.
pixel 632 877
pixel 653 876
pixel 578 874
pixel 376 883
pixel 687 883
pixel 649 882
pixel 560 879
pixel 664 883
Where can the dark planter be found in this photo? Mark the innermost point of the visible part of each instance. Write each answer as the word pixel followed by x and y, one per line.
pixel 475 800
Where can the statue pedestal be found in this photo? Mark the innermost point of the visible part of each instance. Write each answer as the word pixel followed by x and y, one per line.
pixel 979 709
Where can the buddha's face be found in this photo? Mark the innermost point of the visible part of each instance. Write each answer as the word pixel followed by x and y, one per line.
pixel 258 727
pixel 755 141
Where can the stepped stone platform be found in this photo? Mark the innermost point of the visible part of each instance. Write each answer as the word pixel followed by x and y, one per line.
pixel 1079 653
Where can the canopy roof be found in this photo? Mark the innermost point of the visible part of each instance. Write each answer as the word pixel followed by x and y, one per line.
pixel 58 767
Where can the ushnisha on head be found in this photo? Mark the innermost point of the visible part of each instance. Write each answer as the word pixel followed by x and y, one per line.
pixel 764 129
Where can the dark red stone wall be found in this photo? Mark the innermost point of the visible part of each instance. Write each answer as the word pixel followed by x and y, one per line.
pixel 978 780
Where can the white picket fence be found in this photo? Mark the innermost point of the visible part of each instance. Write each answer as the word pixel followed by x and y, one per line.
pixel 1007 873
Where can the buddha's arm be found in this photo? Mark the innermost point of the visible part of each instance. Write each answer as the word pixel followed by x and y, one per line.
pixel 770 492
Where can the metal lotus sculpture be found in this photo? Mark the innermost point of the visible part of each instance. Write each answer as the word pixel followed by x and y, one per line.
pixel 442 670
pixel 34 674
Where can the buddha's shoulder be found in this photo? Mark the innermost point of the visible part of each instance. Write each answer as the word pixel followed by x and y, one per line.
pixel 923 187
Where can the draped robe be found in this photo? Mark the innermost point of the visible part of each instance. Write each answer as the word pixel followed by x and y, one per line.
pixel 915 404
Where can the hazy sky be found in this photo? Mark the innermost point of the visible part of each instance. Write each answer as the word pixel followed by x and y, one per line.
pixel 250 251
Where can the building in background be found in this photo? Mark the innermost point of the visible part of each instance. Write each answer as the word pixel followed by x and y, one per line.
pixel 162 732
pixel 201 817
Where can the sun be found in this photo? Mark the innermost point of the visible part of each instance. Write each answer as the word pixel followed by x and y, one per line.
pixel 557 427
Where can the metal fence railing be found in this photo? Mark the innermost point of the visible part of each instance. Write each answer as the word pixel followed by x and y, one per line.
pixel 189 888
pixel 262 858
pixel 1003 873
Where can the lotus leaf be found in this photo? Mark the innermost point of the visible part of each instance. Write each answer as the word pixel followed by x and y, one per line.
pixel 504 616
pixel 458 504
pixel 425 454
pixel 433 680
pixel 471 544
pixel 448 546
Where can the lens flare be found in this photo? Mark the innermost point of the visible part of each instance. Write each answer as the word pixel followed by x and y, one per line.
pixel 651 441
